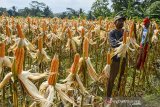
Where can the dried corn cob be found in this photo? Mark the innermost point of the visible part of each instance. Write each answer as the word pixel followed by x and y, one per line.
pixel 19 55
pixel 75 64
pixel 2 49
pixel 19 31
pixel 124 37
pixel 131 30
pixel 85 47
pixel 40 43
pixel 69 33
pixel 8 33
pixel 54 70
pixel 108 58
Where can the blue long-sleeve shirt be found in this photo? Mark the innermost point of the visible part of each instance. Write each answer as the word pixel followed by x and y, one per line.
pixel 115 36
pixel 144 35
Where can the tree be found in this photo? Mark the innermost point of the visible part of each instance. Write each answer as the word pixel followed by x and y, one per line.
pixel 14 10
pixel 126 7
pixel 27 11
pixel 10 12
pixel 154 10
pixel 36 8
pixel 47 12
pixel 132 8
pixel 81 13
pixel 35 4
pixel 2 10
pixel 24 12
pixel 129 10
pixel 72 13
pixel 63 15
pixel 90 16
pixel 100 8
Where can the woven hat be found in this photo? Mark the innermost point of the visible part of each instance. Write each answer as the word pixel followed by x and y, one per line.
pixel 119 17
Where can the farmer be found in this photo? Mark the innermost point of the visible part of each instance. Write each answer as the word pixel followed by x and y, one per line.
pixel 116 36
pixel 143 45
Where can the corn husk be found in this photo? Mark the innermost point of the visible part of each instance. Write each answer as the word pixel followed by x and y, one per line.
pixel 73 76
pixel 49 92
pixel 30 87
pixel 50 96
pixel 91 70
pixel 22 42
pixel 5 61
pixel 40 56
pixel 72 42
pixel 121 50
pixel 83 89
pixel 63 96
pixel 134 43
pixel 155 36
pixel 5 80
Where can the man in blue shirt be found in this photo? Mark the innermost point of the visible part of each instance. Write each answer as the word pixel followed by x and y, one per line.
pixel 116 36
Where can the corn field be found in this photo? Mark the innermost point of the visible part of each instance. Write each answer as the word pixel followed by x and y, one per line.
pixel 52 62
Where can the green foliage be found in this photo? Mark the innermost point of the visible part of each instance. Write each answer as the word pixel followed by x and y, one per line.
pixel 118 4
pixel 100 8
pixel 36 9
pixel 126 7
pixel 154 9
pixel 73 14
pixel 36 4
pixel 132 8
pixel 90 16
pixel 47 12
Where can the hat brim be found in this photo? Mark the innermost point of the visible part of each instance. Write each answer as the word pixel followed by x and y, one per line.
pixel 123 18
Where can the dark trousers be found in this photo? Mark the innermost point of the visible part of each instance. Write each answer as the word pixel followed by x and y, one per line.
pixel 115 65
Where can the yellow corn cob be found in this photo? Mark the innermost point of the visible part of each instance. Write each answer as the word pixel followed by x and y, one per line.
pixel 2 49
pixel 20 33
pixel 131 30
pixel 69 33
pixel 82 32
pixel 85 47
pixel 107 25
pixel 44 26
pixel 19 55
pixel 108 58
pixel 7 31
pixel 54 70
pixel 40 43
pixel 124 37
pixel 75 63
pixel 54 30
